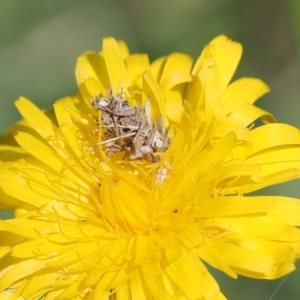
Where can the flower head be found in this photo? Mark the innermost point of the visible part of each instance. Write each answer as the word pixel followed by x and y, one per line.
pixel 130 185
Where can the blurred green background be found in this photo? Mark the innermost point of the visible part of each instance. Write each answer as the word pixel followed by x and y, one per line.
pixel 41 39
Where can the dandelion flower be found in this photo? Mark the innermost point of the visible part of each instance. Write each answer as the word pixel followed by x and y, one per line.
pixel 128 187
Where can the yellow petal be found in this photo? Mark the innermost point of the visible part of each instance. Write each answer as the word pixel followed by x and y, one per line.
pixel 153 92
pixel 71 290
pixel 90 89
pixel 123 48
pixel 153 278
pixel 243 91
pixel 19 189
pixel 143 244
pixel 173 80
pixel 176 63
pixel 39 285
pixel 207 162
pixel 68 128
pixel 91 65
pixel 233 206
pixel 115 65
pixel 137 286
pixel 136 65
pixel 40 151
pixel 211 255
pixel 273 135
pixel 260 227
pixel 174 90
pixel 174 106
pixel 275 178
pixel 156 67
pixel 6 226
pixel 209 76
pixel 286 210
pixel 246 114
pixel 226 53
pixel 187 271
pixel 11 153
pixel 36 118
pixel 20 270
pixel 245 261
pixel 221 297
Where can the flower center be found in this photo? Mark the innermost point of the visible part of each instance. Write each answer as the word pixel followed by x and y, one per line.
pixel 130 129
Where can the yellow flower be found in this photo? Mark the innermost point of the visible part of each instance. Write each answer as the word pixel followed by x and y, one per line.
pixel 130 185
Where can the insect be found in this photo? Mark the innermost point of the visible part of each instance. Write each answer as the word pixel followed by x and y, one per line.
pixel 130 128
pixel 162 173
